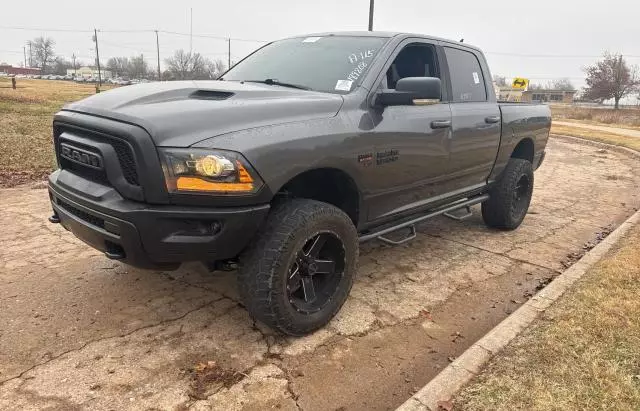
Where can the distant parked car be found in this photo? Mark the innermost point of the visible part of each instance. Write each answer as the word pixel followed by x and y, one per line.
pixel 80 79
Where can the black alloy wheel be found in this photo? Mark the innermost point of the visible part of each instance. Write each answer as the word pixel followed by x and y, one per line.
pixel 316 273
pixel 299 269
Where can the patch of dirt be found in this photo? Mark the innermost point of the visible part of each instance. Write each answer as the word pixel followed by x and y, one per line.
pixel 206 378
pixel 406 356
pixel 9 179
pixel 573 257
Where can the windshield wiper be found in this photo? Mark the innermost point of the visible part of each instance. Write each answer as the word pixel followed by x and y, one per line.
pixel 274 82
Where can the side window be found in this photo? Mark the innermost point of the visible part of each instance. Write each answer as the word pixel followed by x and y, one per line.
pixel 467 81
pixel 414 60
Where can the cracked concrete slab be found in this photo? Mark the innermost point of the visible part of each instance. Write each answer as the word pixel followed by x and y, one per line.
pixel 78 331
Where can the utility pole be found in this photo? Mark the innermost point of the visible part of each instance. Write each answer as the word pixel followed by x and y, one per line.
pixel 73 58
pixel 30 55
pixel 191 33
pixel 158 50
pixel 371 15
pixel 24 51
pixel 229 55
pixel 95 38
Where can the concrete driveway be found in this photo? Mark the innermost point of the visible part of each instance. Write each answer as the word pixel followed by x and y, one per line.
pixel 78 331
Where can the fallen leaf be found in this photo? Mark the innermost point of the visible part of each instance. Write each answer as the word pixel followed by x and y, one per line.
pixel 426 314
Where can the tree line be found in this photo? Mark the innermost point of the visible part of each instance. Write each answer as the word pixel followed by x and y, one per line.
pixel 182 65
pixel 611 78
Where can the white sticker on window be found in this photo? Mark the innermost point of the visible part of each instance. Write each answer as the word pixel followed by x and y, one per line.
pixel 476 78
pixel 344 85
pixel 311 39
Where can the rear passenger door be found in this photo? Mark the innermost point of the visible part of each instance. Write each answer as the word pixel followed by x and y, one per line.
pixel 475 119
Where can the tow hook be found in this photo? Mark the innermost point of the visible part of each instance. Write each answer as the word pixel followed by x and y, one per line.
pixel 54 219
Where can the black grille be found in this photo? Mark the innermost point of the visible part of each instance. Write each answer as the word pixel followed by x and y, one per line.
pixel 90 173
pixel 123 151
pixel 127 162
pixel 91 219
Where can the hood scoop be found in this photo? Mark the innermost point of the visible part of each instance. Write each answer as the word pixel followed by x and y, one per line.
pixel 210 95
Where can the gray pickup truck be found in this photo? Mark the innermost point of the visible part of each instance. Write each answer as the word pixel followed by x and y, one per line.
pixel 298 153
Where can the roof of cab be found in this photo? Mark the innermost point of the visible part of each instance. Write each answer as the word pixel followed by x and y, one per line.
pixel 385 34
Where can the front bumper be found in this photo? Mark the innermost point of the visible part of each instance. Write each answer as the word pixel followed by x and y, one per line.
pixel 150 236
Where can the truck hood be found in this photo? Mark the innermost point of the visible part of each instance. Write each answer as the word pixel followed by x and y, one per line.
pixel 182 113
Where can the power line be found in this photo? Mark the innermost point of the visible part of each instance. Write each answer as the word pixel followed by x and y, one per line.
pixel 127 47
pixel 128 31
pixel 207 36
pixel 226 39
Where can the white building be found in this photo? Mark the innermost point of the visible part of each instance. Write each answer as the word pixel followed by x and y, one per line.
pixel 89 72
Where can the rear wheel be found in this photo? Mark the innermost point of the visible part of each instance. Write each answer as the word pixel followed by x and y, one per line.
pixel 510 197
pixel 299 270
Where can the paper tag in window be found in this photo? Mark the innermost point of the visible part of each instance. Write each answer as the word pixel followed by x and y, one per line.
pixel 476 78
pixel 311 39
pixel 344 85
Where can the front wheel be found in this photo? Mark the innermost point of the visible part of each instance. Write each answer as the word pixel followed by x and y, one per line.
pixel 510 197
pixel 299 270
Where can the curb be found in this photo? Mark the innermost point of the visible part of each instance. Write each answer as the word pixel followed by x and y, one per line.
pixel 444 385
pixel 584 141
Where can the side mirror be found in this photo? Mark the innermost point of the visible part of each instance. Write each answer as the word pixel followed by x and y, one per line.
pixel 411 91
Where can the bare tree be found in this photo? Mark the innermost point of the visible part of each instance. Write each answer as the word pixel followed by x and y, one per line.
pixel 60 66
pixel 186 65
pixel 214 68
pixel 611 78
pixel 43 53
pixel 501 81
pixel 138 67
pixel 119 66
pixel 563 84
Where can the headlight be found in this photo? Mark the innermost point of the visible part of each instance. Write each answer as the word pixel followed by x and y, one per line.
pixel 208 171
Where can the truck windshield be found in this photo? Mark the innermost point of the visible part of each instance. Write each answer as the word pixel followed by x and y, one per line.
pixel 331 64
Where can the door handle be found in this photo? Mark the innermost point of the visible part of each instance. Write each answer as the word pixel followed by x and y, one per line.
pixel 492 119
pixel 441 123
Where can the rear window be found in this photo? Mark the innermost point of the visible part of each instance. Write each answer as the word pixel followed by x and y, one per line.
pixel 467 81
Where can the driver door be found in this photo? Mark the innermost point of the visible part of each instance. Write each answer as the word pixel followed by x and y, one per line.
pixel 411 143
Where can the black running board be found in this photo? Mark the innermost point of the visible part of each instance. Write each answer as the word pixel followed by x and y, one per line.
pixel 380 235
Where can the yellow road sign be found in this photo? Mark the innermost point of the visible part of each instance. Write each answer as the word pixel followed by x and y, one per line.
pixel 520 83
